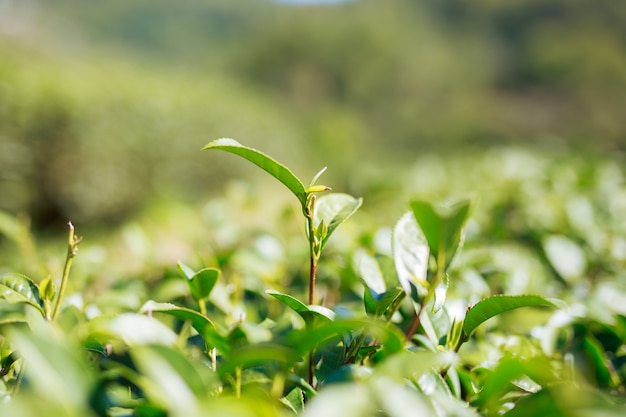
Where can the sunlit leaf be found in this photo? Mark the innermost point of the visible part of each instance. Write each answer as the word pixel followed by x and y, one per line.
pixel 333 210
pixel 136 329
pixel 201 323
pixel 410 254
pixel 343 400
pixel 405 364
pixel 18 288
pixel 308 313
pixel 497 304
pixel 509 369
pixel 173 379
pixel 263 161
pixel 294 400
pixel 54 369
pixel 442 226
pixel 566 256
pixel 370 272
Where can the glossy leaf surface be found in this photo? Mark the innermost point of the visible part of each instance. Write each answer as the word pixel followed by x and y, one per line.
pixel 497 304
pixel 263 161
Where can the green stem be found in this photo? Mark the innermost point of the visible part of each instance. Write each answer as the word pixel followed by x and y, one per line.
pixel 315 255
pixel 313 247
pixel 238 382
pixel 72 248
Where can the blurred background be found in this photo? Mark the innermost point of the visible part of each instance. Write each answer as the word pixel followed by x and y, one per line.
pixel 104 106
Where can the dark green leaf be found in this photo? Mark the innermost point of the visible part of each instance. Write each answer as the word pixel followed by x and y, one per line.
pixel 259 354
pixel 497 304
pixel 269 165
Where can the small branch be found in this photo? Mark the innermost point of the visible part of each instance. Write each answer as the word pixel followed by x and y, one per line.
pixel 415 324
pixel 72 248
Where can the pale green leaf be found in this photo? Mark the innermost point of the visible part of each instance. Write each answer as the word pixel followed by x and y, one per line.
pixel 410 255
pixel 201 323
pixel 334 209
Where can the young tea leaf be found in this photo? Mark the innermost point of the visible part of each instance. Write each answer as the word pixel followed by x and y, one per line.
pixel 201 323
pixel 410 254
pixel 442 227
pixel 18 288
pixel 308 313
pixel 334 209
pixel 269 165
pixel 497 304
pixel 201 283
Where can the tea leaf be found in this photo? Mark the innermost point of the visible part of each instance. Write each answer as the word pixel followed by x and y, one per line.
pixel 18 288
pixel 263 161
pixel 497 304
pixel 201 283
pixel 410 255
pixel 308 313
pixel 334 209
pixel 201 323
pixel 442 227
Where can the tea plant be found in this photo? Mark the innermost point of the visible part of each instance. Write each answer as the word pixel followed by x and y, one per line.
pixel 395 345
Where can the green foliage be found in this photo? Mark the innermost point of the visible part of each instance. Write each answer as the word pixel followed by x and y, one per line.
pixel 399 328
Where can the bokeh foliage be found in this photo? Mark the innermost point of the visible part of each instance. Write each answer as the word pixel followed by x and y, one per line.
pixel 103 108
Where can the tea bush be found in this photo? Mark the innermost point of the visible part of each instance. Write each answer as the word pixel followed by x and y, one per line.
pixel 507 304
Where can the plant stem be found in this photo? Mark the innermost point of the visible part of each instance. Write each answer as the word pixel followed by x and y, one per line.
pixel 314 247
pixel 72 248
pixel 415 324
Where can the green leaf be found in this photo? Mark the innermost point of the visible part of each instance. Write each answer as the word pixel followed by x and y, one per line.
pixel 538 368
pixel 308 313
pixel 55 369
pixel 370 272
pixel 406 364
pixel 18 288
pixel 269 165
pixel 307 339
pixel 47 289
pixel 201 323
pixel 259 354
pixel 334 209
pixel 442 226
pixel 294 400
pixel 389 299
pixel 172 380
pixel 132 329
pixel 201 283
pixel 497 304
pixel 410 255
